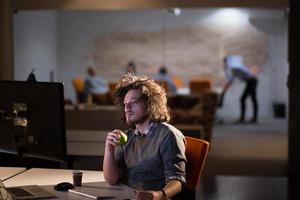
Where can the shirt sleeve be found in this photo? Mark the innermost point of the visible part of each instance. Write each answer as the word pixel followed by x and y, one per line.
pixel 173 156
pixel 87 86
pixel 120 160
pixel 228 74
pixel 171 85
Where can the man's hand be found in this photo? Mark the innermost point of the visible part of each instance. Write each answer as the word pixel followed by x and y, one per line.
pixel 149 195
pixel 111 139
pixel 110 167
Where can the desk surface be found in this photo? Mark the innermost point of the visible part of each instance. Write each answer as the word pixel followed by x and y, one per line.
pixel 6 172
pixel 97 189
pixel 210 188
pixel 39 176
pixel 93 182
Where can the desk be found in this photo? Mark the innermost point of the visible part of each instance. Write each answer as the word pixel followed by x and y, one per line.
pixel 93 181
pixel 210 188
pixel 6 172
pixel 100 188
pixel 39 176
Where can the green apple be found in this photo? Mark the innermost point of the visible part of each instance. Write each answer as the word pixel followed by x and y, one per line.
pixel 123 139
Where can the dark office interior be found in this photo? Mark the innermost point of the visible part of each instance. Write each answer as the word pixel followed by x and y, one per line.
pixel 232 170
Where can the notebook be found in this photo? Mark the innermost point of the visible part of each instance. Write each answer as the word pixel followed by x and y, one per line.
pixel 103 191
pixel 24 192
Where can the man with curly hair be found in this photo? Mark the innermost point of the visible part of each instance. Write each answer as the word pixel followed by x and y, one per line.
pixel 153 159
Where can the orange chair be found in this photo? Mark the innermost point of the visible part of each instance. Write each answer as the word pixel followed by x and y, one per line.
pixel 111 91
pixel 196 154
pixel 78 85
pixel 112 86
pixel 200 85
pixel 177 81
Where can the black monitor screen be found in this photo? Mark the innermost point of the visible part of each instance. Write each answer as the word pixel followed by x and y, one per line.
pixel 32 119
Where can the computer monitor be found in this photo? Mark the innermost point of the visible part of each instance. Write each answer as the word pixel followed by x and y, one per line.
pixel 32 120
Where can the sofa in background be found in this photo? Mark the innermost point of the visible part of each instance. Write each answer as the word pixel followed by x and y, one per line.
pixel 194 114
pixel 200 85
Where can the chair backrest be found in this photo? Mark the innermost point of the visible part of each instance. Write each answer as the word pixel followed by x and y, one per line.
pixel 177 81
pixel 78 84
pixel 196 153
pixel 111 91
pixel 112 86
pixel 200 85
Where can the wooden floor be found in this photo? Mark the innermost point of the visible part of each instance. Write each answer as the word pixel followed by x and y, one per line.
pixel 249 149
pixel 247 162
pixel 242 188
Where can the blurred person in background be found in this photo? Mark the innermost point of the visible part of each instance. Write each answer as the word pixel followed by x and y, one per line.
pixel 131 68
pixel 163 75
pixel 234 68
pixel 94 84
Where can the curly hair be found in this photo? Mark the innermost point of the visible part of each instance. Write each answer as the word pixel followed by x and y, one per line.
pixel 153 95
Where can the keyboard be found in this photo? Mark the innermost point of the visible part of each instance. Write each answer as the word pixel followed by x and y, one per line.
pixel 19 192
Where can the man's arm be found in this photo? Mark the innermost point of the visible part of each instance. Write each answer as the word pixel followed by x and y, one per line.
pixel 225 88
pixel 110 167
pixel 172 188
pixel 173 156
pixel 227 85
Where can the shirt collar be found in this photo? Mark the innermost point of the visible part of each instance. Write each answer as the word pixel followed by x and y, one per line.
pixel 146 131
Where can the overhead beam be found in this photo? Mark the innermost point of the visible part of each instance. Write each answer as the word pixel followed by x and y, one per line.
pixel 141 4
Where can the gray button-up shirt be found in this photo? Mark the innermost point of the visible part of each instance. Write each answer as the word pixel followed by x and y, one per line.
pixel 152 159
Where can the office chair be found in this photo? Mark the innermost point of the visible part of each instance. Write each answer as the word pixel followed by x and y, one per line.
pixel 111 91
pixel 78 85
pixel 200 85
pixel 177 81
pixel 112 86
pixel 196 153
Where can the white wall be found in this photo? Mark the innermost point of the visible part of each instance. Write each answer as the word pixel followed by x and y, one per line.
pixel 63 39
pixel 272 87
pixel 77 30
pixel 35 44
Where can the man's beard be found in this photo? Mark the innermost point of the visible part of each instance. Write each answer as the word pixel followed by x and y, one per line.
pixel 140 120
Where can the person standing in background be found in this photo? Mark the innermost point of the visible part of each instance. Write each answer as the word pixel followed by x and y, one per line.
pixel 235 68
